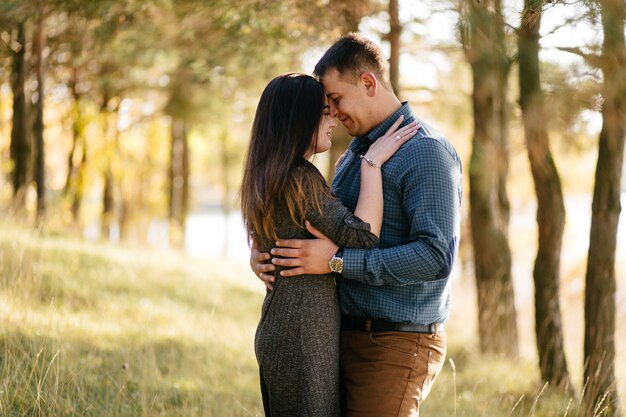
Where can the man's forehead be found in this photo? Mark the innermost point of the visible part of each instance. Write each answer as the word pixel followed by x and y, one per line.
pixel 331 82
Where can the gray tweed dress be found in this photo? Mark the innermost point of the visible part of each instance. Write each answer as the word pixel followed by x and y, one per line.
pixel 297 340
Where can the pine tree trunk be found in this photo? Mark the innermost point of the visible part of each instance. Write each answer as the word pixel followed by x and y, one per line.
pixel 395 30
pixel 20 146
pixel 38 126
pixel 225 162
pixel 110 133
pixel 179 182
pixel 350 13
pixel 550 205
pixel 75 180
pixel 108 204
pixel 600 395
pixel 497 317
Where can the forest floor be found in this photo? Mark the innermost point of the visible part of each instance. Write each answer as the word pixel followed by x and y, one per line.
pixel 96 329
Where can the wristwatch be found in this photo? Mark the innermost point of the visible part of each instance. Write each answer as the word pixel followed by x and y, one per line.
pixel 336 262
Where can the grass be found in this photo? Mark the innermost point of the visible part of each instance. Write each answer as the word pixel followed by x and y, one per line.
pixel 95 330
pixel 92 329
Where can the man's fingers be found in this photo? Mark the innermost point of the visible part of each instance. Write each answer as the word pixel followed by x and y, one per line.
pixel 292 272
pixel 289 243
pixel 286 262
pixel 259 257
pixel 264 268
pixel 286 252
pixel 268 280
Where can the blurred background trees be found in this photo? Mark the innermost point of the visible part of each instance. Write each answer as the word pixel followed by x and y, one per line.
pixel 119 118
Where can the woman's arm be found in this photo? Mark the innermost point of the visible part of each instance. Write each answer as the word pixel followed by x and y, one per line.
pixel 369 207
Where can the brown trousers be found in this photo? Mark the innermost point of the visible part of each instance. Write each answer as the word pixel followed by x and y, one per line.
pixel 388 374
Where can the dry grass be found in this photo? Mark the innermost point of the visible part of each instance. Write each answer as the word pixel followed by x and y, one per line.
pixel 92 329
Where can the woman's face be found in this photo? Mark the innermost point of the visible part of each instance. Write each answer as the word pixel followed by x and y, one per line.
pixel 325 130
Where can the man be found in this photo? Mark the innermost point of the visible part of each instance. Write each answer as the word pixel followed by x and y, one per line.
pixel 395 298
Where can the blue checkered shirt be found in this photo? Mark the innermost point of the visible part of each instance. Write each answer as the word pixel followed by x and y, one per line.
pixel 406 279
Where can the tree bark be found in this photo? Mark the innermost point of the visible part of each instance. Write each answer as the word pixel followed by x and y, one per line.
pixel 600 395
pixel 550 205
pixel 75 180
pixel 179 182
pixel 38 126
pixel 111 137
pixel 395 30
pixel 20 144
pixel 349 15
pixel 497 317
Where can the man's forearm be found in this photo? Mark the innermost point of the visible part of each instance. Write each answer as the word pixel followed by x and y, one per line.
pixel 400 265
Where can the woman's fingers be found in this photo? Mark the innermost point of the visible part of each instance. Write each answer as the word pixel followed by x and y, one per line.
pixel 395 125
pixel 403 130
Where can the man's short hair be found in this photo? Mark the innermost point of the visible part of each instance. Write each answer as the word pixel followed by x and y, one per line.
pixel 351 56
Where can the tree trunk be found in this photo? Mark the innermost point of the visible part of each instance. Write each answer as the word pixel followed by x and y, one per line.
pixel 350 14
pixel 502 67
pixel 600 395
pixel 497 317
pixel 108 204
pixel 111 135
pixel 225 162
pixel 75 180
pixel 38 126
pixel 550 206
pixel 179 182
pixel 395 30
pixel 20 146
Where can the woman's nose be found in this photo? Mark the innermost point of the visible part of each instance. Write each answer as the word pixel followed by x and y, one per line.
pixel 332 109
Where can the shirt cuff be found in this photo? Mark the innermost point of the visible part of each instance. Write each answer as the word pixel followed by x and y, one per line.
pixel 354 264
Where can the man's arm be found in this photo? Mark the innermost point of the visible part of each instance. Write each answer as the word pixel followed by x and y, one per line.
pixel 260 268
pixel 432 200
pixel 305 256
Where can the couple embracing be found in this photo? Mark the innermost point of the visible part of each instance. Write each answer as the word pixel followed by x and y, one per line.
pixel 358 276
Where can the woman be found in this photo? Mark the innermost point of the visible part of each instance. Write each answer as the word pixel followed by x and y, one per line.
pixel 297 340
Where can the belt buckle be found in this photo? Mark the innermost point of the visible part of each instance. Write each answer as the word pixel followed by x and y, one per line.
pixel 368 325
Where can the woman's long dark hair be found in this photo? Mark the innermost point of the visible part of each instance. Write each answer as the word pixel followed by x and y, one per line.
pixel 285 127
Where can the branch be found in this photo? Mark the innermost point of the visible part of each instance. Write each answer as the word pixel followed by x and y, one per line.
pixel 592 60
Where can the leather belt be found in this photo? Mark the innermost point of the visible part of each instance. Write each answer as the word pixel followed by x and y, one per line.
pixel 379 325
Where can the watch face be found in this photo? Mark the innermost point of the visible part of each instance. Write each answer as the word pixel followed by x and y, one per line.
pixel 336 264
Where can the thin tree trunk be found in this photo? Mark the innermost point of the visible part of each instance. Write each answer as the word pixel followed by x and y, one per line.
pixel 497 317
pixel 179 182
pixel 108 204
pixel 38 126
pixel 395 30
pixel 20 146
pixel 75 180
pixel 550 206
pixel 351 13
pixel 75 116
pixel 225 162
pixel 111 135
pixel 600 395
pixel 502 67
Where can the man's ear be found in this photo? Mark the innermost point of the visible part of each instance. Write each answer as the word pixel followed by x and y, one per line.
pixel 369 82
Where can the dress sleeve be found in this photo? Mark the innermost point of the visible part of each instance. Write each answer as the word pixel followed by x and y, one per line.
pixel 339 224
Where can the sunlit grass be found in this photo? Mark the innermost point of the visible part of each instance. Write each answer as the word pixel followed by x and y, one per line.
pixel 92 329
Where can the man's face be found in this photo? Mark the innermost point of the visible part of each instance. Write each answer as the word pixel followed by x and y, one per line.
pixel 348 103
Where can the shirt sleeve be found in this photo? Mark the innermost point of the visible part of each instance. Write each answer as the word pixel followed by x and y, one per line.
pixel 339 224
pixel 428 178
